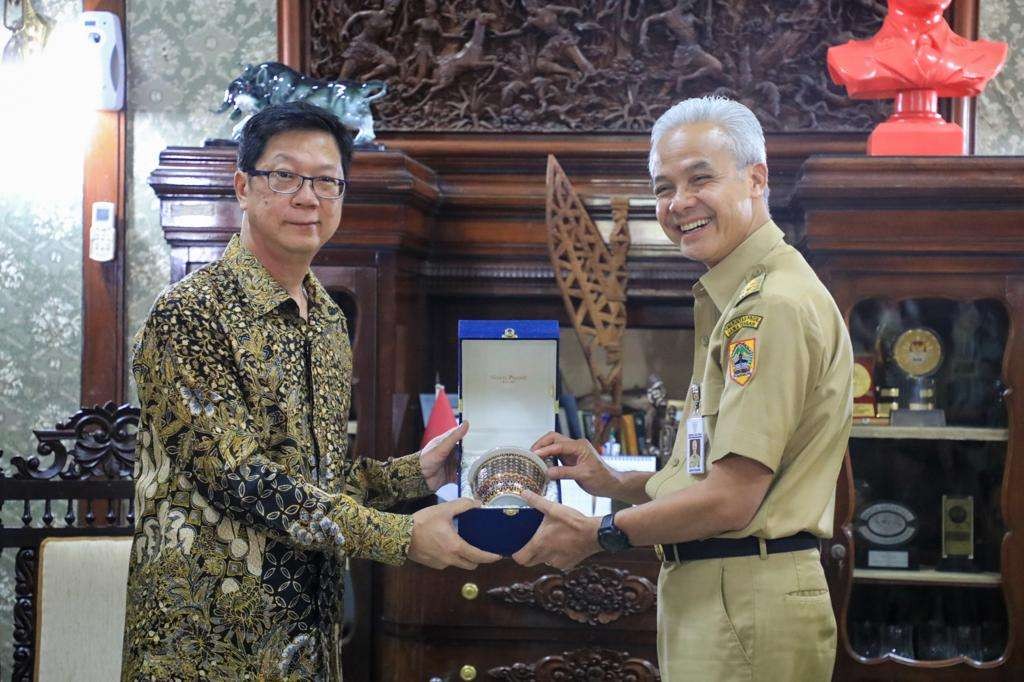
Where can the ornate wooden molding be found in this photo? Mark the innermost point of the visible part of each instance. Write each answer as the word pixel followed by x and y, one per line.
pixel 850 203
pixel 595 595
pixel 593 665
pixel 24 614
pixel 104 446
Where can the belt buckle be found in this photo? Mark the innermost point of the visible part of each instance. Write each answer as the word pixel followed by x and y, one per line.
pixel 659 551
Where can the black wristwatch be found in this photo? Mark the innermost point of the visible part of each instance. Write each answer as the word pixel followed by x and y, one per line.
pixel 611 537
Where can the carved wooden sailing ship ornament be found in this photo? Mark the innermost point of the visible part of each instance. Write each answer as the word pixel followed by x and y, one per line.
pixel 592 277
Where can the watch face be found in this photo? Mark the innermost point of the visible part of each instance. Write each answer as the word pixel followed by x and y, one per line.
pixel 918 352
pixel 611 538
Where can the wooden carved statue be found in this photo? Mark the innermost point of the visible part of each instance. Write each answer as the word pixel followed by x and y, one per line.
pixel 592 277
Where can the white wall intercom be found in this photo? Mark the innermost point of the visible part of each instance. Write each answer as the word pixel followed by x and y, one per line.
pixel 105 49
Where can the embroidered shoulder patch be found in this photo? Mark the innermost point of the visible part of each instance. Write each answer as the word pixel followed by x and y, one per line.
pixel 742 360
pixel 752 286
pixel 738 323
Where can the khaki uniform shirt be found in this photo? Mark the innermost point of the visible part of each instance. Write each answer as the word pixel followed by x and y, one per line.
pixel 774 365
pixel 246 499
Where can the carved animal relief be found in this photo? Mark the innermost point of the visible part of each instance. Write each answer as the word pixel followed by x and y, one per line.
pixel 592 65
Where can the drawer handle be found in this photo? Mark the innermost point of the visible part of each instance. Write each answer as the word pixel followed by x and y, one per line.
pixel 467 672
pixel 470 591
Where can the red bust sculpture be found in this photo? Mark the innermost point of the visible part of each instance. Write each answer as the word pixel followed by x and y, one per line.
pixel 915 58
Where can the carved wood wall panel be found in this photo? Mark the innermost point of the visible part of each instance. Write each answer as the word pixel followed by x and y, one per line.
pixel 592 65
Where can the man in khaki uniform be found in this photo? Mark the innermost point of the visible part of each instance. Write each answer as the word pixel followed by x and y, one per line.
pixel 738 510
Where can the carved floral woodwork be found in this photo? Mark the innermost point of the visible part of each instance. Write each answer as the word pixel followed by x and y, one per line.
pixel 595 595
pixel 591 65
pixel 104 446
pixel 24 613
pixel 593 665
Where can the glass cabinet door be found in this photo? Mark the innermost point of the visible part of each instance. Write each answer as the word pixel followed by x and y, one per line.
pixel 928 451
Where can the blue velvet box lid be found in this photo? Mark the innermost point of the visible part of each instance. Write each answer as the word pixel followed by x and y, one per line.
pixel 508 391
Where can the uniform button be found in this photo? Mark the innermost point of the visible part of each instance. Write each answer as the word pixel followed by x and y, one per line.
pixel 675 462
pixel 705 340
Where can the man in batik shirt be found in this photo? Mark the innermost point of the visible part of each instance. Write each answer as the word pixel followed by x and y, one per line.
pixel 247 503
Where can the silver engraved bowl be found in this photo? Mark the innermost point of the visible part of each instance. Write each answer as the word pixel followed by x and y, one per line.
pixel 500 475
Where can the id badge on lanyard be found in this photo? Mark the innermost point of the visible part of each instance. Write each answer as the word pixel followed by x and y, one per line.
pixel 696 438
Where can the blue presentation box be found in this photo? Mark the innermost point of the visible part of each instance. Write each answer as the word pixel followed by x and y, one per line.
pixel 508 392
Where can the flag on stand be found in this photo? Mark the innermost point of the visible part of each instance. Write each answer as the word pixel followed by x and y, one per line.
pixel 441 418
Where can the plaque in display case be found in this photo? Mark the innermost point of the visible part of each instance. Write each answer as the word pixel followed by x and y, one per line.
pixel 957 534
pixel 887 529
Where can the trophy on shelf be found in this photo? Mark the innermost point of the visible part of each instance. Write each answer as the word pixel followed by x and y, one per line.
pixel 864 401
pixel 957 534
pixel 887 529
pixel 917 355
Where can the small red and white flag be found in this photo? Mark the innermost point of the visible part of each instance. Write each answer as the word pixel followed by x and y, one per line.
pixel 442 418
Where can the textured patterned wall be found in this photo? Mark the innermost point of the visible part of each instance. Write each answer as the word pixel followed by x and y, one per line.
pixel 182 54
pixel 40 308
pixel 1000 118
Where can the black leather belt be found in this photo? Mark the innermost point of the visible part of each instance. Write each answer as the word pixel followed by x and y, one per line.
pixel 719 548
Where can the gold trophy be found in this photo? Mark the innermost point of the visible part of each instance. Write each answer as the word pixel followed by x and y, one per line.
pixel 864 391
pixel 917 354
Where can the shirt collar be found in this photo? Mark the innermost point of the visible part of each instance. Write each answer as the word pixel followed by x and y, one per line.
pixel 263 292
pixel 722 281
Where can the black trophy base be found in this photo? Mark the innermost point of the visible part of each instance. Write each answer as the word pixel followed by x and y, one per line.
pixel 957 564
pixel 917 418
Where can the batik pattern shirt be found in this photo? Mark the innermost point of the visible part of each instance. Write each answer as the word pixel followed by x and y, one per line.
pixel 246 501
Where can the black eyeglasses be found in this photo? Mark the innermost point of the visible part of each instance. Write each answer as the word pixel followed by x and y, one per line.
pixel 286 182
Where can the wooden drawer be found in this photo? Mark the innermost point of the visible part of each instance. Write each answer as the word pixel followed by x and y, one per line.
pixel 611 592
pixel 400 659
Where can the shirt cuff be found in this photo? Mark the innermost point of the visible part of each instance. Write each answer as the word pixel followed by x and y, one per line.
pixel 407 475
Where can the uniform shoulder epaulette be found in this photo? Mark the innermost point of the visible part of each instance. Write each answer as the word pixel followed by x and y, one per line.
pixel 753 285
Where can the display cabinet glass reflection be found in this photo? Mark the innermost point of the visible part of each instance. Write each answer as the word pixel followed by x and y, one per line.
pixel 931 355
pixel 928 450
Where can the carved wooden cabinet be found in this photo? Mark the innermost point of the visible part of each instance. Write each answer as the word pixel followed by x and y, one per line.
pixel 504 622
pixel 931 250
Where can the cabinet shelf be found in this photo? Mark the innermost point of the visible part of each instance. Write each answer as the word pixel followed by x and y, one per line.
pixel 926 576
pixel 967 433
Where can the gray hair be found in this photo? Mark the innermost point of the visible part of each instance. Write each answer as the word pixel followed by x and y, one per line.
pixel 746 138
